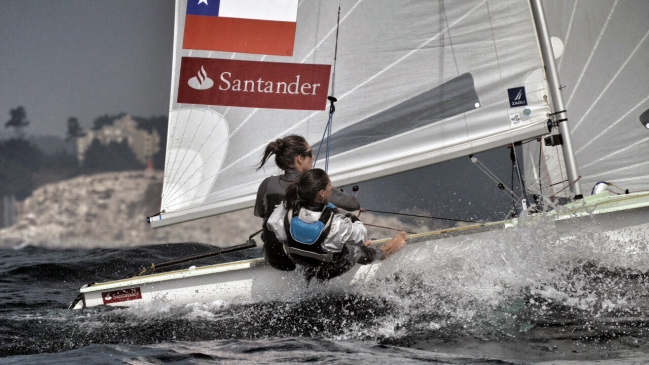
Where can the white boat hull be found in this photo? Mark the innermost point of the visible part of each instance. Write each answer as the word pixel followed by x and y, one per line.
pixel 255 281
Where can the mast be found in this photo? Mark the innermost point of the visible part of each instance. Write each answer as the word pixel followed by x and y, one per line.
pixel 557 96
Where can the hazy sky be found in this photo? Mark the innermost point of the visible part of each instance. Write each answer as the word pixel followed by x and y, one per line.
pixel 84 59
pixel 81 58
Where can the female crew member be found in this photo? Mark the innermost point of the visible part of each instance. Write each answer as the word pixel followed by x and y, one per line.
pixel 293 155
pixel 326 243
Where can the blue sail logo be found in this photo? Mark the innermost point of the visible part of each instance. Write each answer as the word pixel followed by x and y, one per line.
pixel 517 96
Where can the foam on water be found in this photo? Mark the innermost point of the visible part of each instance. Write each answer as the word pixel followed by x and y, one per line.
pixel 526 284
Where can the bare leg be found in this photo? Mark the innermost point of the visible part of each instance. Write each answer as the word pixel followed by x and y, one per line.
pixel 394 245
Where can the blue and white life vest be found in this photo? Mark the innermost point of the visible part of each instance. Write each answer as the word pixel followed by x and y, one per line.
pixel 304 241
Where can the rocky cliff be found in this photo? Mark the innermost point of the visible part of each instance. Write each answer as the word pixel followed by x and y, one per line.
pixel 110 210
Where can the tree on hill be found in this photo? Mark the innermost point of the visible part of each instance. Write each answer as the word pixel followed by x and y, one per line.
pixel 159 124
pixel 19 159
pixel 106 120
pixel 18 120
pixel 113 157
pixel 74 129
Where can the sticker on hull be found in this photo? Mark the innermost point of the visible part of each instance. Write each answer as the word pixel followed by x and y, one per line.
pixel 122 295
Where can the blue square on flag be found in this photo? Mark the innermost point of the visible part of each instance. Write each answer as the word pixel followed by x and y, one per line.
pixel 517 96
pixel 203 7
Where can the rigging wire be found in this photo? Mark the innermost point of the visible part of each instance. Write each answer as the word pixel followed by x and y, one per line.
pixel 421 216
pixel 517 168
pixel 332 108
pixel 384 227
pixel 493 177
pixel 540 155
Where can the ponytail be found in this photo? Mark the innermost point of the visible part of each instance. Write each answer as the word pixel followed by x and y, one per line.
pixel 285 150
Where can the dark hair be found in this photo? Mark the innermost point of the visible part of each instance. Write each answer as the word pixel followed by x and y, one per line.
pixel 286 150
pixel 306 188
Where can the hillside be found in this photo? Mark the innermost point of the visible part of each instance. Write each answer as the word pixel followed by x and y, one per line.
pixel 110 210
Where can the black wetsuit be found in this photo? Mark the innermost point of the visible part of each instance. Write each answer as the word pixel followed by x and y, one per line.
pixel 271 193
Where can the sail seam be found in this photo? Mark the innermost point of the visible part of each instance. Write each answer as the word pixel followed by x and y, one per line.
pixel 214 193
pixel 415 154
pixel 202 182
pixel 242 158
pixel 302 61
pixel 428 126
pixel 590 57
pixel 608 85
pixel 613 124
pixel 179 183
pixel 173 164
pixel 372 144
pixel 632 178
pixel 244 122
pixel 616 170
pixel 185 154
pixel 330 32
pixel 532 122
pixel 426 42
pixel 274 138
pixel 358 86
pixel 616 152
pixel 167 172
pixel 565 43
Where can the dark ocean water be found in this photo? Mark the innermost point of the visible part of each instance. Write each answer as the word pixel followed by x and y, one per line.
pixel 541 299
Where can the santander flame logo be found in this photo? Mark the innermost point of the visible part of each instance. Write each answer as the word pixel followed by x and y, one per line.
pixel 201 81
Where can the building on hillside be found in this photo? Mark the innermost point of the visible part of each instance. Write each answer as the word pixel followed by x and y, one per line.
pixel 143 143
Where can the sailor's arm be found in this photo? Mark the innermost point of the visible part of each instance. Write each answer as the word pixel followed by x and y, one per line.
pixel 343 231
pixel 260 210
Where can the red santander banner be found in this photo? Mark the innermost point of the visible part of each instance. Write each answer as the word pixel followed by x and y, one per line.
pixel 253 84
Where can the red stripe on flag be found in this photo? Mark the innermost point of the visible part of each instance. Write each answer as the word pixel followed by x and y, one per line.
pixel 239 35
pixel 254 84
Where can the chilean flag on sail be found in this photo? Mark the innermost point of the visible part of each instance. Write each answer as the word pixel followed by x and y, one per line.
pixel 246 26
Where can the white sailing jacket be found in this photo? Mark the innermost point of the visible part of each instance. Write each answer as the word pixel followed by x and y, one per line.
pixel 342 230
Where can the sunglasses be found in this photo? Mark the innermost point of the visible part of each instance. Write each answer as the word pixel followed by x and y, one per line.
pixel 308 153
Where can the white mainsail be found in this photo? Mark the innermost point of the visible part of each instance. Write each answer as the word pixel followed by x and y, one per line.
pixel 417 83
pixel 603 58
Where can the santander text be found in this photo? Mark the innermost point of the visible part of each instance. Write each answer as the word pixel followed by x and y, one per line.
pixel 227 83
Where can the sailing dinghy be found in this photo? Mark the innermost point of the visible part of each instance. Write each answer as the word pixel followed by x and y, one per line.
pixel 416 83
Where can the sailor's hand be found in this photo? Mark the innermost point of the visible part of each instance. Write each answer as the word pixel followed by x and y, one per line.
pixel 395 244
pixel 352 217
pixel 368 242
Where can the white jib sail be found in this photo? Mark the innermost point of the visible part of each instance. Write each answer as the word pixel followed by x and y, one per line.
pixel 417 83
pixel 603 68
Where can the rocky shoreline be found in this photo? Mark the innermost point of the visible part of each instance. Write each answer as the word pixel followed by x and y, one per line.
pixel 110 210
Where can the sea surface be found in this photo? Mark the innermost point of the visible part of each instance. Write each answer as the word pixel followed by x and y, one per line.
pixel 521 295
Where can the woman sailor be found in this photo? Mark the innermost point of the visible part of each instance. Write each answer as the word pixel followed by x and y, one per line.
pixel 293 155
pixel 326 243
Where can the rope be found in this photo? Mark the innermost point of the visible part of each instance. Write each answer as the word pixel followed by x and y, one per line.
pixel 569 185
pixel 421 216
pixel 540 155
pixel 611 184
pixel 449 230
pixel 250 244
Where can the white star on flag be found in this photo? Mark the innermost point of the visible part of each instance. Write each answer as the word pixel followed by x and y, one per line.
pixel 202 1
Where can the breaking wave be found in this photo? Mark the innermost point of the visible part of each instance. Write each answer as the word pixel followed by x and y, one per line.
pixel 528 284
